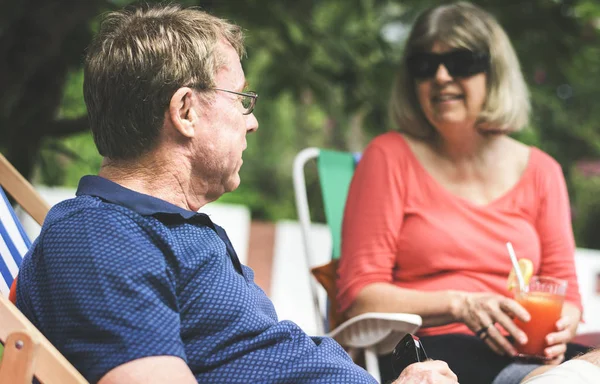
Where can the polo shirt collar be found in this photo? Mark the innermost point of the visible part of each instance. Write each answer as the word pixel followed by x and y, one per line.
pixel 145 205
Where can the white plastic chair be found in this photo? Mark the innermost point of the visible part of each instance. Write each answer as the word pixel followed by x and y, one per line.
pixel 587 264
pixel 374 333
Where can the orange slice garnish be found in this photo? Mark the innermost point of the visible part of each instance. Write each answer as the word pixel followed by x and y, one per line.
pixel 526 267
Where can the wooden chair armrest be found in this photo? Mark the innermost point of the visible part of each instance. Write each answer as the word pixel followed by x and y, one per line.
pixel 22 191
pixel 49 366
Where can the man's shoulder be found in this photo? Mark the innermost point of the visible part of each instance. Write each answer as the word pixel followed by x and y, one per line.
pixel 87 234
pixel 77 225
pixel 102 230
pixel 85 210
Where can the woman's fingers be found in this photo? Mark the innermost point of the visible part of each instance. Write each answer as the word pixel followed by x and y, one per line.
pixel 557 345
pixel 488 309
pixel 497 308
pixel 484 311
pixel 492 336
pixel 500 342
pixel 494 346
pixel 556 360
pixel 508 324
pixel 561 337
pixel 563 323
pixel 511 307
pixel 566 327
pixel 555 351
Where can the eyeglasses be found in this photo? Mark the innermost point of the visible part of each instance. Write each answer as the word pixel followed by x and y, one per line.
pixel 459 63
pixel 248 99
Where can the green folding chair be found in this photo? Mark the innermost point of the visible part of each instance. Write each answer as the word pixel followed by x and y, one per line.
pixel 373 333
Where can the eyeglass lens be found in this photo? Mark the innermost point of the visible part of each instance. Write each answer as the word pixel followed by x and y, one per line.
pixel 247 101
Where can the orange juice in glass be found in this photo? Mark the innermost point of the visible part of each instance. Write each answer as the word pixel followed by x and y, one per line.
pixel 543 298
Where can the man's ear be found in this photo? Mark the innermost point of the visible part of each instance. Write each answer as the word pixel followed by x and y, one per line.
pixel 181 113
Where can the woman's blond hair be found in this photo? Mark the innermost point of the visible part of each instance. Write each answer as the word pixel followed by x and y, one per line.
pixel 463 25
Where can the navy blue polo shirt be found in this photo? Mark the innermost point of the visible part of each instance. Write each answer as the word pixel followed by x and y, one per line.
pixel 116 275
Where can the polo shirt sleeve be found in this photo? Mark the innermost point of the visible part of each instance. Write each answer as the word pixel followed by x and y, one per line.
pixel 102 291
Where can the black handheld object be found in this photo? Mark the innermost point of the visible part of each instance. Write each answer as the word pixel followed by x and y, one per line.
pixel 408 351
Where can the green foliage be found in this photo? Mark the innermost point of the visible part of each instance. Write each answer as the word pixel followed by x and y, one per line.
pixel 72 105
pixel 323 70
pixel 586 210
pixel 64 160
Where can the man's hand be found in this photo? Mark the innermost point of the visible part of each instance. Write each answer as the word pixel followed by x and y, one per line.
pixel 428 372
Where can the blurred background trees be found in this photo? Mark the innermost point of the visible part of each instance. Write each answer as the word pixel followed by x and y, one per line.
pixel 323 69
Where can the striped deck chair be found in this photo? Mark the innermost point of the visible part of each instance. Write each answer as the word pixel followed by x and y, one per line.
pixel 14 243
pixel 26 352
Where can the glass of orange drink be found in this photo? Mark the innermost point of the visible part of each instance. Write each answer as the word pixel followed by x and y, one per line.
pixel 543 298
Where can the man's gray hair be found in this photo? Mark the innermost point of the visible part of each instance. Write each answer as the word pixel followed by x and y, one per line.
pixel 138 59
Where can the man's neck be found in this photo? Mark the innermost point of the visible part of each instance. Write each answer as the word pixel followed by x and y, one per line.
pixel 164 180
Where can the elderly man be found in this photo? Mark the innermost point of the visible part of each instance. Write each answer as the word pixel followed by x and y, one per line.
pixel 127 280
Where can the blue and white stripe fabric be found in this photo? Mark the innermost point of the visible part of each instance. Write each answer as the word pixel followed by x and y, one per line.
pixel 14 243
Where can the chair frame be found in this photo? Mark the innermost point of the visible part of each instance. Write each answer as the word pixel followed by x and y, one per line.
pixel 26 351
pixel 375 333
pixel 22 191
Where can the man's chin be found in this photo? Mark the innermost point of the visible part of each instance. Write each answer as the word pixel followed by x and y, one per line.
pixel 233 183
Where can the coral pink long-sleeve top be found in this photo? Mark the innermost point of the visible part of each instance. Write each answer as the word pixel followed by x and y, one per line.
pixel 402 227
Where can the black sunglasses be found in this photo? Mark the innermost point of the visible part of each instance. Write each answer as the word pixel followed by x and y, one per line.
pixel 408 351
pixel 459 63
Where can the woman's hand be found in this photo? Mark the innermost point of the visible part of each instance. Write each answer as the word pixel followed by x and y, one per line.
pixel 482 311
pixel 566 328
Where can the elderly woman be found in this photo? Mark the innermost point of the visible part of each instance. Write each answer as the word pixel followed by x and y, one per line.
pixel 432 205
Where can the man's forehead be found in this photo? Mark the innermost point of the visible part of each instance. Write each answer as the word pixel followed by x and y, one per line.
pixel 227 50
pixel 231 71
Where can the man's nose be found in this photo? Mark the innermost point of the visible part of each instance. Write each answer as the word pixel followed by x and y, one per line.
pixel 251 123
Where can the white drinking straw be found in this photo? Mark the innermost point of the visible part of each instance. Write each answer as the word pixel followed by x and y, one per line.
pixel 515 264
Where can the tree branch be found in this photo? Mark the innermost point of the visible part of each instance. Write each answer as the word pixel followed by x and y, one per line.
pixel 66 127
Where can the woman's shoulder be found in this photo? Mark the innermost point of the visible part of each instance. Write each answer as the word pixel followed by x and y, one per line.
pixel 543 162
pixel 529 156
pixel 387 152
pixel 542 158
pixel 390 143
pixel 541 167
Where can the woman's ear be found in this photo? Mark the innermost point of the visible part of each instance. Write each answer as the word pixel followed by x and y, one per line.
pixel 181 112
